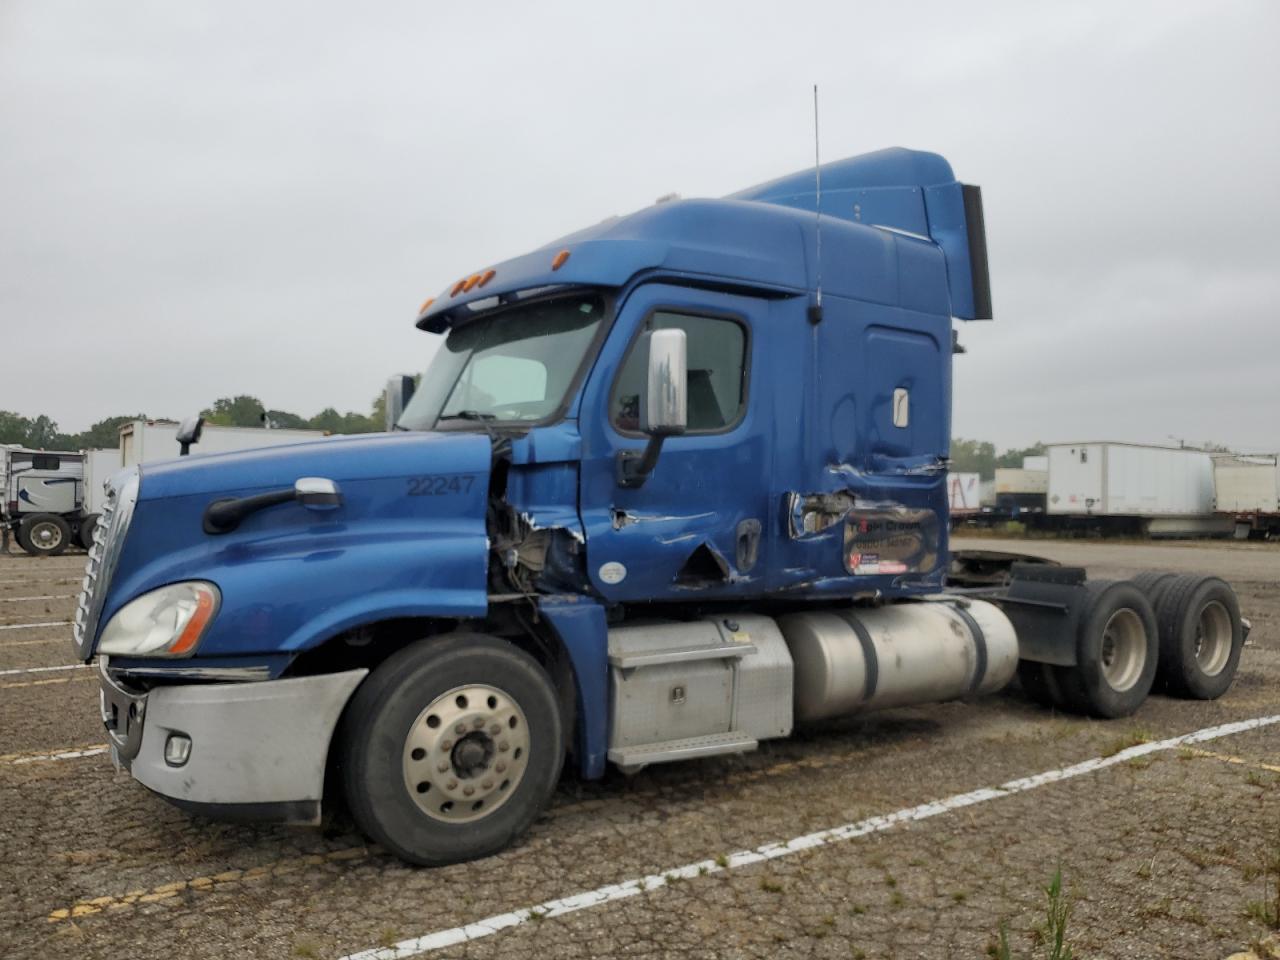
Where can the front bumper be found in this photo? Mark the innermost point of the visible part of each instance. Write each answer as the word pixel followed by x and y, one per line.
pixel 258 750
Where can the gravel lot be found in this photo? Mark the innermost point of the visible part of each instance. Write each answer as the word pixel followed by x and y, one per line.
pixel 1161 850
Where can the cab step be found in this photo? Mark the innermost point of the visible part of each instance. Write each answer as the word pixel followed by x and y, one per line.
pixel 637 756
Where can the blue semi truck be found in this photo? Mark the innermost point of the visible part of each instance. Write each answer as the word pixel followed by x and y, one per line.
pixel 670 486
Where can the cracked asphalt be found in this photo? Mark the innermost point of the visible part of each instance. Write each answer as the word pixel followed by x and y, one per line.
pixel 1161 854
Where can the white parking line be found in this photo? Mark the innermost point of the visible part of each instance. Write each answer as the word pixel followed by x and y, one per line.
pixel 65 666
pixel 24 626
pixel 772 851
pixel 59 596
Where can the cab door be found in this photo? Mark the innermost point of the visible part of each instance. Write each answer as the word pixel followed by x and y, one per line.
pixel 698 526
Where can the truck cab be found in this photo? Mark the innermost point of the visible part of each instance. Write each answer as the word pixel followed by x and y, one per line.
pixel 670 486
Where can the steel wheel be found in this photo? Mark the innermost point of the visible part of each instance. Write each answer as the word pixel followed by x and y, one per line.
pixel 46 535
pixel 466 753
pixel 1124 650
pixel 1214 638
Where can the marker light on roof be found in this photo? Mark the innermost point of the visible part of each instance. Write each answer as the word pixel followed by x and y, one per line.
pixel 457 287
pixel 488 275
pixel 560 259
pixel 471 282
pixel 426 304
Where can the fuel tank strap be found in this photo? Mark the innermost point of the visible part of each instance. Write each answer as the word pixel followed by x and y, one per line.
pixel 868 655
pixel 979 646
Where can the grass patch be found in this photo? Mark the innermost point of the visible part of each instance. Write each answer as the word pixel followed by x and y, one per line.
pixel 769 885
pixel 1131 739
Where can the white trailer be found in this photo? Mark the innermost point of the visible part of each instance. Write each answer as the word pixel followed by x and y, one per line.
pixel 1247 492
pixel 964 492
pixel 1161 491
pixel 145 441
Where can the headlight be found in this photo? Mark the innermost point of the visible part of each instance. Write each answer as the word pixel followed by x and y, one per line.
pixel 163 623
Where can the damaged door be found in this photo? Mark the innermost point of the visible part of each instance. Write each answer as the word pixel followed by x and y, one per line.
pixel 698 523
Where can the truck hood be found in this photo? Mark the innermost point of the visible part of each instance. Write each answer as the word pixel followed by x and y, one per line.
pixel 408 539
pixel 353 458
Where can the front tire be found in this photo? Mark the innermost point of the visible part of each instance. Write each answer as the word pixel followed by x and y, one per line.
pixel 451 748
pixel 44 535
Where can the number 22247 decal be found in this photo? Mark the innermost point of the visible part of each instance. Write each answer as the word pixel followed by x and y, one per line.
pixel 443 485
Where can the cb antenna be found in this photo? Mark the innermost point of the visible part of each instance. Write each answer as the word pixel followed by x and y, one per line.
pixel 815 308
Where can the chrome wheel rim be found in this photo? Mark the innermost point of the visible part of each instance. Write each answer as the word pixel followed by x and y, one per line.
pixel 1213 638
pixel 46 535
pixel 466 753
pixel 1124 650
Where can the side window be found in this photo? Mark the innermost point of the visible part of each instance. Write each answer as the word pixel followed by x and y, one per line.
pixel 717 373
pixel 43 461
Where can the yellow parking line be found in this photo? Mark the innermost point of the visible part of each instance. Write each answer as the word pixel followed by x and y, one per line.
pixel 166 891
pixel 1226 758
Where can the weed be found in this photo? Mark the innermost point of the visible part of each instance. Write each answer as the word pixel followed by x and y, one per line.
pixel 1267 910
pixel 857 953
pixel 537 916
pixel 388 938
pixel 1144 871
pixel 829 920
pixel 896 901
pixel 722 861
pixel 1140 763
pixel 857 910
pixel 1254 779
pixel 890 881
pixel 959 896
pixel 1051 934
pixel 702 870
pixel 770 886
pixel 305 948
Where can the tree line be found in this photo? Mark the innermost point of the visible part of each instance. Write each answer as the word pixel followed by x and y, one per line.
pixel 41 432
pixel 980 457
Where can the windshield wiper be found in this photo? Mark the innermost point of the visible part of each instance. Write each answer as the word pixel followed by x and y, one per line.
pixel 469 415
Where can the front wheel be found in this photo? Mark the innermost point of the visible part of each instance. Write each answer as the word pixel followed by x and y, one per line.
pixel 451 748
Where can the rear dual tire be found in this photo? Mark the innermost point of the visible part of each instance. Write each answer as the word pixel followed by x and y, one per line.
pixel 1117 648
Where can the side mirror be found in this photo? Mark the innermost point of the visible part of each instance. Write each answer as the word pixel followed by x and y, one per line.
pixel 189 433
pixel 396 397
pixel 664 398
pixel 317 493
pixel 664 404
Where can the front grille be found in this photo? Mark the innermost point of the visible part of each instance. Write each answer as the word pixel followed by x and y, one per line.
pixel 108 539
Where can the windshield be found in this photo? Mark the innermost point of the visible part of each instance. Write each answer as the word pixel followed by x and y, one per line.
pixel 516 365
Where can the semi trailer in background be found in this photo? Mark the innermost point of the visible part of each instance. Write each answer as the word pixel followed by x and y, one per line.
pixel 1132 488
pixel 661 495
pixel 1247 494
pixel 964 494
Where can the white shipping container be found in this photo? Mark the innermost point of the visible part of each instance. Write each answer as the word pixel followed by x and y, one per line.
pixel 964 492
pixel 1013 480
pixel 1129 480
pixel 1247 484
pixel 145 441
pixel 1040 464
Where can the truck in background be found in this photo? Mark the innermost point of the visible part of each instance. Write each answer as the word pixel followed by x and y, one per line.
pixel 1247 493
pixel 660 496
pixel 1021 492
pixel 42 495
pixel 1132 488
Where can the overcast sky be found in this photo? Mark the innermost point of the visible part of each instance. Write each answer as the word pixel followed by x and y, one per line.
pixel 200 199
